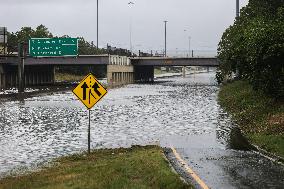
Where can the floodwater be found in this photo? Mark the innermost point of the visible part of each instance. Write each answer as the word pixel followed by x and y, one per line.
pixel 178 112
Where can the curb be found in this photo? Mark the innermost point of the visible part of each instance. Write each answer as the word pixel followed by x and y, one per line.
pixel 272 157
pixel 183 169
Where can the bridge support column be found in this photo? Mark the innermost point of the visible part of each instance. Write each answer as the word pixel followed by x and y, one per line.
pixel 184 71
pixel 2 78
pixel 131 79
pixel 52 75
pixel 21 79
pixel 3 81
pixel 33 79
pixel 8 76
pixel 119 78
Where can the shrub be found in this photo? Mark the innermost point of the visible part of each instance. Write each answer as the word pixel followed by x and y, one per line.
pixel 254 46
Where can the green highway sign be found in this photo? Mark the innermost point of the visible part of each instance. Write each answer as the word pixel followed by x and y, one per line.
pixel 46 47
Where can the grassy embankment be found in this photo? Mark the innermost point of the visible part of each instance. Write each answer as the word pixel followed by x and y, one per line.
pixel 261 118
pixel 137 167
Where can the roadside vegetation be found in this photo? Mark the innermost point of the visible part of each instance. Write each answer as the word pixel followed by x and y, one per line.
pixel 253 47
pixel 260 117
pixel 137 167
pixel 252 50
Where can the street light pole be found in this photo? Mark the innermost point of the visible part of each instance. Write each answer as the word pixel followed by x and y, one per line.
pixel 189 42
pixel 97 24
pixel 237 8
pixel 189 39
pixel 130 28
pixel 130 36
pixel 165 38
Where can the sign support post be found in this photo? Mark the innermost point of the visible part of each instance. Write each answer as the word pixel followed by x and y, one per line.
pixel 89 91
pixel 89 133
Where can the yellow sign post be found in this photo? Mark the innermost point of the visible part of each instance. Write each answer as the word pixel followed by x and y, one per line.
pixel 89 91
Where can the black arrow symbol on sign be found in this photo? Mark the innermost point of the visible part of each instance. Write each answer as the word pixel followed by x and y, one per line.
pixel 96 87
pixel 84 87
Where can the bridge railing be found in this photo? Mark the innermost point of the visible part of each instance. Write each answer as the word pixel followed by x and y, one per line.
pixel 192 53
pixel 186 53
pixel 119 60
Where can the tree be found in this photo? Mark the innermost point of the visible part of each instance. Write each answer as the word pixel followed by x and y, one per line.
pixel 254 46
pixel 25 34
pixel 12 43
pixel 42 32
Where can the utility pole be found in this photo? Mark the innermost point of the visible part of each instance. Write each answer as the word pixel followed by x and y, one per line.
pixel 237 8
pixel 166 38
pixel 97 24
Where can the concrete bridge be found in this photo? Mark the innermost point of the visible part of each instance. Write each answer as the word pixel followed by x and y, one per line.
pixel 168 61
pixel 118 69
pixel 144 66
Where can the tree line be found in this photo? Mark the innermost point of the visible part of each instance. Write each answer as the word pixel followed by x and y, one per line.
pixel 253 47
pixel 85 47
pixel 41 31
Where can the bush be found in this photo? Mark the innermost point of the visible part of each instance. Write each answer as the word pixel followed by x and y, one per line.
pixel 254 46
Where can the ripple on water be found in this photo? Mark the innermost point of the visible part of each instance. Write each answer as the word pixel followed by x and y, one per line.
pixel 40 128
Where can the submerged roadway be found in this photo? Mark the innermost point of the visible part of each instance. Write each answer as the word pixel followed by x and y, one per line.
pixel 182 113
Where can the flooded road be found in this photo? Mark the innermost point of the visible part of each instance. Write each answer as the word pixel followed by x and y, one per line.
pixel 178 112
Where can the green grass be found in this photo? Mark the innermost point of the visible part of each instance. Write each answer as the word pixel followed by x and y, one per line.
pixel 272 143
pixel 137 167
pixel 259 116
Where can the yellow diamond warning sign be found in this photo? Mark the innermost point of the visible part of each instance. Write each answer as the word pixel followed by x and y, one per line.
pixel 90 91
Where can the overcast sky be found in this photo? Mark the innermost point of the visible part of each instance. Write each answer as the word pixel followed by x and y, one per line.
pixel 204 20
